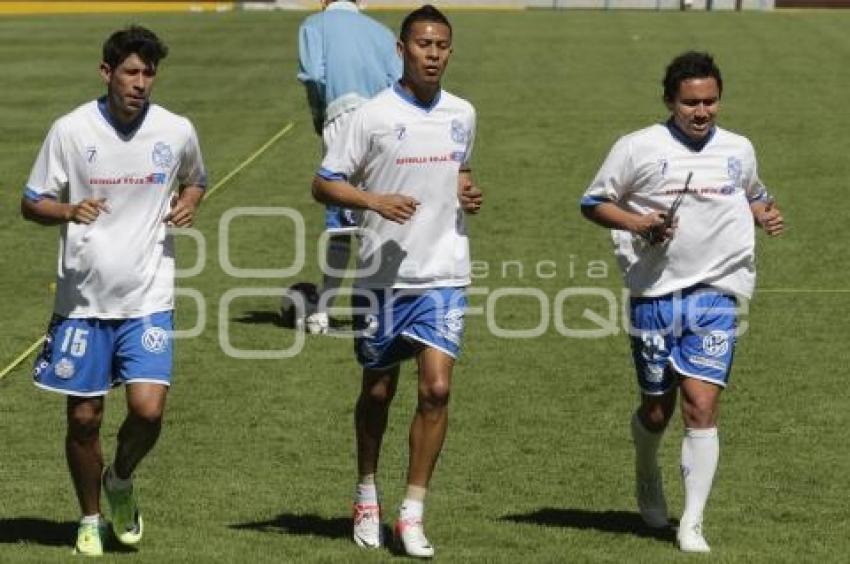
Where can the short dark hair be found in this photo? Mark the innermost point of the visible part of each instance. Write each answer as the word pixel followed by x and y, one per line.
pixel 692 64
pixel 134 39
pixel 426 13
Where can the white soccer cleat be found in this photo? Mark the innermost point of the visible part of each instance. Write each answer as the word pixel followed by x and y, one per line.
pixel 317 323
pixel 410 538
pixel 650 500
pixel 367 525
pixel 690 539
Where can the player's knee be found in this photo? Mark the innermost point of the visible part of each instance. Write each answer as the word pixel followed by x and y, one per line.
pixel 148 414
pixel 434 394
pixel 84 422
pixel 380 395
pixel 700 413
pixel 655 420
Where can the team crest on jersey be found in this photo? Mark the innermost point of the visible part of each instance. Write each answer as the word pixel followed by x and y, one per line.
pixel 663 164
pixel 715 343
pixel 91 154
pixel 400 131
pixel 459 132
pixel 162 156
pixel 734 169
pixel 64 368
pixel 155 339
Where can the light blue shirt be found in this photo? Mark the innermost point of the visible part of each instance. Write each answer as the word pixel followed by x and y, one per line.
pixel 345 57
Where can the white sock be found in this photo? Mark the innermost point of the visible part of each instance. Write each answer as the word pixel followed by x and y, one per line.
pixel 700 453
pixel 366 492
pixel 646 447
pixel 90 519
pixel 411 509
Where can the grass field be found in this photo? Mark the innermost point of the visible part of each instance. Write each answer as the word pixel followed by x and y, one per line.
pixel 256 459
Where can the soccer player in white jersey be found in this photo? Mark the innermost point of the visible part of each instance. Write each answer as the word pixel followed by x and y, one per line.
pixel 409 150
pixel 345 57
pixel 107 174
pixel 684 273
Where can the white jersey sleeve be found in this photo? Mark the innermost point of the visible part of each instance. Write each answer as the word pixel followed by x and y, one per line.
pixel 470 128
pixel 191 171
pixel 49 175
pixel 615 177
pixel 753 186
pixel 347 152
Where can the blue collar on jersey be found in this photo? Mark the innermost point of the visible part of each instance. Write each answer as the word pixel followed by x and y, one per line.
pixel 696 145
pixel 413 100
pixel 124 129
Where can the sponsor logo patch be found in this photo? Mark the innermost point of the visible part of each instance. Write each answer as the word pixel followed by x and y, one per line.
pixel 64 368
pixel 155 339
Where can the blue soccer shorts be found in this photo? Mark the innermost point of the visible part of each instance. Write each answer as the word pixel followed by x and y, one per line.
pixel 86 357
pixel 392 324
pixel 692 331
pixel 340 220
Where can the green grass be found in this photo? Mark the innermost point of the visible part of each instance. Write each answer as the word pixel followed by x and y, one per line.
pixel 256 459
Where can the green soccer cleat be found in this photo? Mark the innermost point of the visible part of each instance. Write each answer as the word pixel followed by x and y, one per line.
pixel 89 539
pixel 127 522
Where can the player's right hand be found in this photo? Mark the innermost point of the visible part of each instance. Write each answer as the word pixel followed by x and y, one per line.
pixel 395 207
pixel 88 210
pixel 654 228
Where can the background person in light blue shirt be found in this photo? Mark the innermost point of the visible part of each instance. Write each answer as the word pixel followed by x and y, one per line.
pixel 345 57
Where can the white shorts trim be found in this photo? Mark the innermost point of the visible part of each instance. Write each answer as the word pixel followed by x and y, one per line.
pixel 143 380
pixel 428 343
pixel 342 230
pixel 695 376
pixel 70 392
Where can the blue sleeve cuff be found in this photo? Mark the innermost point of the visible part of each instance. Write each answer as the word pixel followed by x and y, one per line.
pixel 762 196
pixel 593 201
pixel 330 175
pixel 34 196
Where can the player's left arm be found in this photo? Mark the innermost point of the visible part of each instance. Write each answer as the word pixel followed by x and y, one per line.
pixel 184 206
pixel 762 204
pixel 469 194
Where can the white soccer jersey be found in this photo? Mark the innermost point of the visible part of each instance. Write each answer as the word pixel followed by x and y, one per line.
pixel 394 145
pixel 122 264
pixel 715 241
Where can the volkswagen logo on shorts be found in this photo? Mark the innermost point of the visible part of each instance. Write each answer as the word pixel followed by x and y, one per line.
pixel 155 339
pixel 715 343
